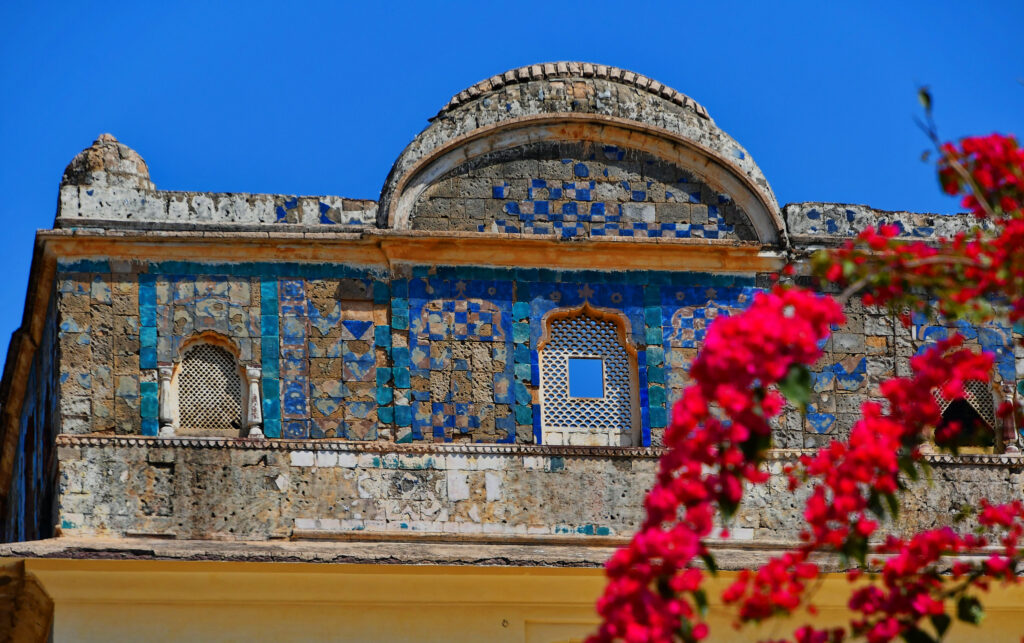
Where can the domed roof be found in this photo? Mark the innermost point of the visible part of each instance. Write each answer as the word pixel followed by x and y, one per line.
pixel 557 102
pixel 108 162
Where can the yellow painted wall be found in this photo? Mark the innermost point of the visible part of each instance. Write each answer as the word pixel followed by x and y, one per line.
pixel 213 601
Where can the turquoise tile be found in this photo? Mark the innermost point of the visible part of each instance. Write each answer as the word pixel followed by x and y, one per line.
pixel 658 417
pixel 521 332
pixel 403 415
pixel 656 374
pixel 653 336
pixel 521 311
pixel 382 336
pixel 655 355
pixel 652 315
pixel 272 428
pixel 524 414
pixel 270 325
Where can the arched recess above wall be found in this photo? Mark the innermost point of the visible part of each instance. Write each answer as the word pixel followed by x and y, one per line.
pixel 578 103
pixel 762 213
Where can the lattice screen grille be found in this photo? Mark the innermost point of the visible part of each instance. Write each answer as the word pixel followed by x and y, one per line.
pixel 978 395
pixel 585 337
pixel 209 389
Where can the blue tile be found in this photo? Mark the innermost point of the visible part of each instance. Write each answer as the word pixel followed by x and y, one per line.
pixel 147 337
pixel 537 433
pixel 150 427
pixel 296 430
pixel 294 398
pixel 147 358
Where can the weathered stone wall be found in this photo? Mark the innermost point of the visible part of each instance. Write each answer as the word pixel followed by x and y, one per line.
pixel 125 205
pixel 809 222
pixel 219 490
pixel 29 506
pixel 578 190
pixel 228 492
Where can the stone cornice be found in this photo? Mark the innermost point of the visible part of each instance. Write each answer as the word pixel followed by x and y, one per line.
pixel 431 448
pixel 383 248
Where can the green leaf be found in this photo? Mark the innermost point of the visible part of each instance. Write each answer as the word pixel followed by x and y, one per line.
pixel 909 467
pixel 894 505
pixel 924 95
pixel 796 386
pixel 710 562
pixel 969 610
pixel 856 549
pixel 701 599
pixel 914 635
pixel 941 623
pixel 875 504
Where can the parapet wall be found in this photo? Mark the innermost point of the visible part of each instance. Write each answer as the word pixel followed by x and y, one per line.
pixel 239 490
pixel 102 206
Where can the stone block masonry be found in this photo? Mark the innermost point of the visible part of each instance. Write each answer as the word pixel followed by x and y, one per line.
pixel 233 490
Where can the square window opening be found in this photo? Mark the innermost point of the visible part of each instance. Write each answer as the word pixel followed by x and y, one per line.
pixel 586 377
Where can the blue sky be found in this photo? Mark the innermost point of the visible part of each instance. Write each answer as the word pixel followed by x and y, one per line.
pixel 320 98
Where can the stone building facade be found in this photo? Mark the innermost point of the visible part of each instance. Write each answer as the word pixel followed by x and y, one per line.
pixel 263 379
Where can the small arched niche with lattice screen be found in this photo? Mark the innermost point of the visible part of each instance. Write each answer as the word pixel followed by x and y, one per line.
pixel 209 387
pixel 588 388
pixel 974 410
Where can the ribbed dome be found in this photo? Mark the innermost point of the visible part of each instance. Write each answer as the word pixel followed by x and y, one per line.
pixel 108 163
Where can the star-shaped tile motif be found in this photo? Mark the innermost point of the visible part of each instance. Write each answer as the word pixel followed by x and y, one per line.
pixel 586 292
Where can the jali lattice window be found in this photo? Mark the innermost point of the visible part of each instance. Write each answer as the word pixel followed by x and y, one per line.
pixel 588 393
pixel 974 410
pixel 978 396
pixel 209 390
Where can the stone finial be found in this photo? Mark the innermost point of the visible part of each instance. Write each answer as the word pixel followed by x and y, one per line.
pixel 108 163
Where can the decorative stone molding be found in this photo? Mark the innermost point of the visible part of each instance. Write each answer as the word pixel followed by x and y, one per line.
pixel 1012 461
pixel 569 69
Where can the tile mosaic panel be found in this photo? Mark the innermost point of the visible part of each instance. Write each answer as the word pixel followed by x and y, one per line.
pixel 579 190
